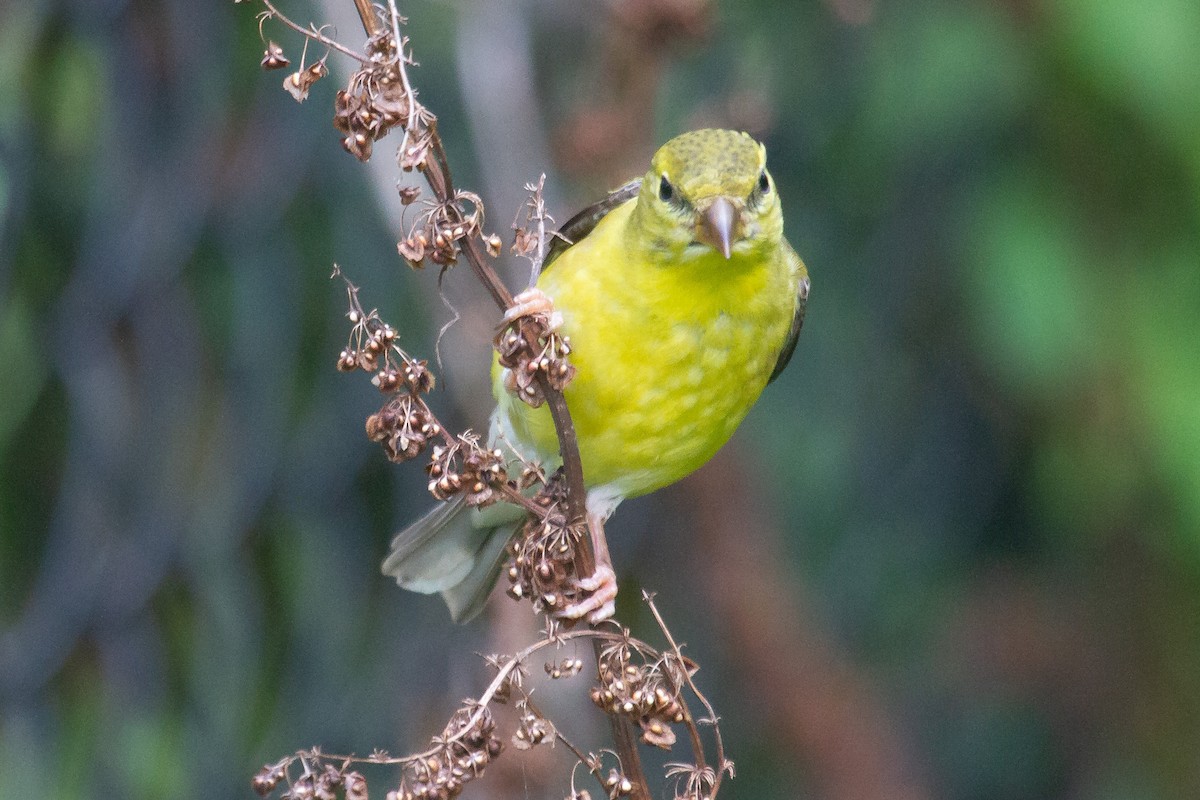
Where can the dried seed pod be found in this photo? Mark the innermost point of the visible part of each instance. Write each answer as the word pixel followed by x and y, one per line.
pixel 267 778
pixel 480 495
pixel 412 251
pixel 273 57
pixel 355 786
pixel 303 788
pixel 532 349
pixel 403 447
pixel 656 732
pixel 524 242
pixel 299 82
pixel 388 380
pixel 344 107
pixel 409 194
pixel 358 145
pixel 418 377
pixel 378 427
pixel 493 244
pixel 415 156
pixel 446 486
pixel 347 360
pixel 323 788
pixel 541 564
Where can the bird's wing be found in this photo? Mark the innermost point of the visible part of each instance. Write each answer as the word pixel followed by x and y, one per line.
pixel 586 220
pixel 802 286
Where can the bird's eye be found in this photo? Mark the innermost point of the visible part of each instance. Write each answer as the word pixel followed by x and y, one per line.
pixel 764 183
pixel 666 192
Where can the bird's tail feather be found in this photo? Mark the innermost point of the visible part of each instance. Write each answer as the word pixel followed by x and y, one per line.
pixel 451 550
pixel 467 597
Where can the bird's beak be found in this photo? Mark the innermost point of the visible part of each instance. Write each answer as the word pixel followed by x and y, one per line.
pixel 717 223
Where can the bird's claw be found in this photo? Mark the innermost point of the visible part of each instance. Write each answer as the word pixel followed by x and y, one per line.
pixel 529 302
pixel 599 604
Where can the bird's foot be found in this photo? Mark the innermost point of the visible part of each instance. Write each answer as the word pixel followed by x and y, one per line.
pixel 532 302
pixel 600 602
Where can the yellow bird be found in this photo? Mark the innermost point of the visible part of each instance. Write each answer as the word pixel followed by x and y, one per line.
pixel 681 299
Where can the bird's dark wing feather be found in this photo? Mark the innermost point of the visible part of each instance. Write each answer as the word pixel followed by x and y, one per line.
pixel 789 344
pixel 586 221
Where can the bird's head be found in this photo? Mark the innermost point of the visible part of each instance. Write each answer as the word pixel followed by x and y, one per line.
pixel 709 190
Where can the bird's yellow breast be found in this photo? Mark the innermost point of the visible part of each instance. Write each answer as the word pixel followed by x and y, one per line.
pixel 670 356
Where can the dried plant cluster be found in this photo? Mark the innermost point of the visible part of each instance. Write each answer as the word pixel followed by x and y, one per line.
pixel 534 355
pixel 642 692
pixel 638 686
pixel 543 566
pixel 460 754
pixel 635 681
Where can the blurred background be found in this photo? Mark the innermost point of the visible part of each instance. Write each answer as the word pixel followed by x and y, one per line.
pixel 953 553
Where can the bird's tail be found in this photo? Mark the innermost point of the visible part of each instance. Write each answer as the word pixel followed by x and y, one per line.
pixel 454 550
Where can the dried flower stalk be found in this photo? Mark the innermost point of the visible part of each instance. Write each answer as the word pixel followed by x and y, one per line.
pixel 637 685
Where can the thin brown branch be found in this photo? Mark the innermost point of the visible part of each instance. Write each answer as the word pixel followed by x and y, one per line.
pixel 314 34
pixel 689 720
pixel 598 637
pixel 580 756
pixel 627 748
pixel 568 443
pixel 491 281
pixel 402 61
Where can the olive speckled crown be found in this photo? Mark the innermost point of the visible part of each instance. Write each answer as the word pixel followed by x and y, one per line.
pixel 704 162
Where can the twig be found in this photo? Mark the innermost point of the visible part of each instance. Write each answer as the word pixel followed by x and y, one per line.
pixel 401 58
pixel 690 724
pixel 580 756
pixel 627 752
pixel 315 34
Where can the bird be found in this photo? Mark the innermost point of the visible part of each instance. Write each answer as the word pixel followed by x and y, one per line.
pixel 682 299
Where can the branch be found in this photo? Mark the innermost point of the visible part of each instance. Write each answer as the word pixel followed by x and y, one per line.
pixel 312 33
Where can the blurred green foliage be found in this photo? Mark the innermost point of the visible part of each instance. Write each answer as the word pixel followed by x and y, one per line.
pixel 986 454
